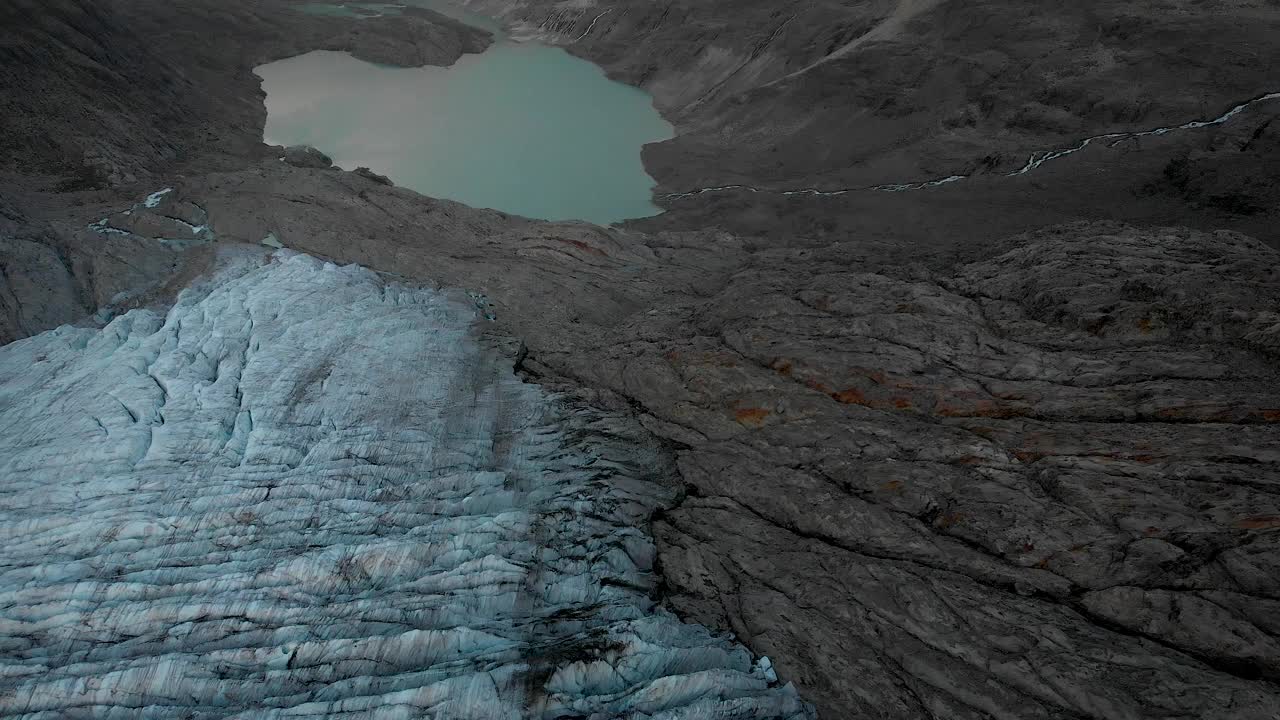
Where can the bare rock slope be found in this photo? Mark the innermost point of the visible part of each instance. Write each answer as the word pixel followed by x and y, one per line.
pixel 1041 487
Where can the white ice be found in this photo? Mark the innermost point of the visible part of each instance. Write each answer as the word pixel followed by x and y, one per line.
pixel 153 200
pixel 307 492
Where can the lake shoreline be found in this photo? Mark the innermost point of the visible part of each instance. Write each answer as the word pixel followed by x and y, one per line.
pixel 522 127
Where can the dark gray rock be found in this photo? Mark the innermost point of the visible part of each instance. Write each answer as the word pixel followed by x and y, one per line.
pixel 305 156
pixel 36 289
pixel 368 174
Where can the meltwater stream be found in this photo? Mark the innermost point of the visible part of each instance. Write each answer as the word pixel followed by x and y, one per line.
pixel 1034 162
pixel 524 128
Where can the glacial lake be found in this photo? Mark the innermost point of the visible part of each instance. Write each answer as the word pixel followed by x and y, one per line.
pixel 523 127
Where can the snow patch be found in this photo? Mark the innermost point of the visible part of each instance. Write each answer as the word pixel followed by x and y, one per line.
pixel 104 228
pixel 153 200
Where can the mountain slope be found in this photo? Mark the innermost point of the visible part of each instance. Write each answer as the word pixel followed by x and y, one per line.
pixel 930 465
pixel 831 95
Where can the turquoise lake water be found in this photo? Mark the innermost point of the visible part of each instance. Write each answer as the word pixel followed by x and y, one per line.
pixel 523 128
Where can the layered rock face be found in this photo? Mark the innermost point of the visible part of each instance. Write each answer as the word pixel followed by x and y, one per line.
pixel 307 492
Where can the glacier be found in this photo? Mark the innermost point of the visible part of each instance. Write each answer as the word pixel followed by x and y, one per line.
pixel 311 491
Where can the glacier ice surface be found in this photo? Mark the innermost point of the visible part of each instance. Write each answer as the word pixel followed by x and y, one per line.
pixel 309 492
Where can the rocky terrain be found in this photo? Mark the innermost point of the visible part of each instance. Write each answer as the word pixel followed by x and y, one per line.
pixel 946 453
